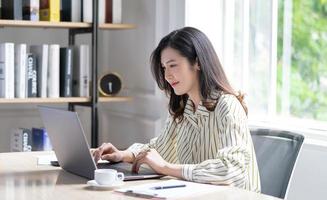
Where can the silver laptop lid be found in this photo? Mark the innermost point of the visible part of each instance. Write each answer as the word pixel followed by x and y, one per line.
pixel 68 140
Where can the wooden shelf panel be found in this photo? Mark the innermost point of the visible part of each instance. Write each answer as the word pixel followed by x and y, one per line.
pixel 43 24
pixel 114 99
pixel 46 100
pixel 63 100
pixel 66 25
pixel 117 26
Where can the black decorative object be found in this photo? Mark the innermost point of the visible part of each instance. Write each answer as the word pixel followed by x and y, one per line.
pixel 110 84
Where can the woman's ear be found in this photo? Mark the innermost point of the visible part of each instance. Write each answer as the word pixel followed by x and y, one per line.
pixel 197 66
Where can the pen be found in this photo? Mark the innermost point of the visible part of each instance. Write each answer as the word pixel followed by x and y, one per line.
pixel 141 194
pixel 167 187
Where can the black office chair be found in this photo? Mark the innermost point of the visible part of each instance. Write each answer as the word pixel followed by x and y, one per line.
pixel 276 152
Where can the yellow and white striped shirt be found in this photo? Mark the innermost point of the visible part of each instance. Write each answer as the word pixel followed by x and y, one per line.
pixel 213 146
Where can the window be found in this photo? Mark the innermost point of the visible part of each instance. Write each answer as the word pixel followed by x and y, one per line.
pixel 302 61
pixel 274 51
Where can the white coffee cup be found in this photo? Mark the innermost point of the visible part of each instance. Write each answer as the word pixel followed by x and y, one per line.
pixel 107 176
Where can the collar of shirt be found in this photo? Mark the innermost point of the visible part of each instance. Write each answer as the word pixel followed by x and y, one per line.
pixel 201 111
pixel 197 117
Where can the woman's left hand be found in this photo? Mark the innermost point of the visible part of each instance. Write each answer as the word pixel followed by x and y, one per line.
pixel 152 158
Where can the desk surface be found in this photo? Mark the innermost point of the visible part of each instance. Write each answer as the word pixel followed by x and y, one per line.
pixel 22 178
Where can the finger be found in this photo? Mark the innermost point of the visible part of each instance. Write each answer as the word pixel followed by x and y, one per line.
pixel 108 148
pixel 139 156
pixel 98 152
pixel 136 160
pixel 111 157
pixel 92 152
pixel 136 165
pixel 139 159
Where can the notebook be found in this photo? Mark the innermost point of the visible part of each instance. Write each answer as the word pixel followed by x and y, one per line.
pixel 173 190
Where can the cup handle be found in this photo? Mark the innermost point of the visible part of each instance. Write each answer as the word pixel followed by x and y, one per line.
pixel 120 176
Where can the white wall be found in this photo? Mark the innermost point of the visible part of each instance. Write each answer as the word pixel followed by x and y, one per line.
pixel 127 52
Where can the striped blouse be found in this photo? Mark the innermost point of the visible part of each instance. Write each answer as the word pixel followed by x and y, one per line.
pixel 213 146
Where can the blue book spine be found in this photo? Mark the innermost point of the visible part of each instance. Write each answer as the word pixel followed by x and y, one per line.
pixel 41 141
pixel 37 139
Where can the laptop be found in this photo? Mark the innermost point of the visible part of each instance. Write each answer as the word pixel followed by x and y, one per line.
pixel 72 150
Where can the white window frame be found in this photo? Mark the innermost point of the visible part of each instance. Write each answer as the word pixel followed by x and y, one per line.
pixel 311 128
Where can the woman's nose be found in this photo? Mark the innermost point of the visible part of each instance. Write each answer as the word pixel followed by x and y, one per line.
pixel 168 74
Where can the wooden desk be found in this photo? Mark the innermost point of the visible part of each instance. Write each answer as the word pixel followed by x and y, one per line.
pixel 22 178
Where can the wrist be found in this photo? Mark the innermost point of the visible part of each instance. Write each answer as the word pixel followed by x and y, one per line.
pixel 173 170
pixel 128 156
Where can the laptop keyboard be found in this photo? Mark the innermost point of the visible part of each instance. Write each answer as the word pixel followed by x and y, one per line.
pixel 126 168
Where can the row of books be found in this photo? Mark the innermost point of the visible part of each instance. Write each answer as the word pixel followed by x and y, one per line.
pixel 110 11
pixel 45 71
pixel 24 139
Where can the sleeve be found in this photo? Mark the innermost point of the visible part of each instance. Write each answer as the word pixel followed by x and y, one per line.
pixel 136 148
pixel 231 160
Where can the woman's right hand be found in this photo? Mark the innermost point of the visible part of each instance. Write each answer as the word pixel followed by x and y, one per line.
pixel 109 152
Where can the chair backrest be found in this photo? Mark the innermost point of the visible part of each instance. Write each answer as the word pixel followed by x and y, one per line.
pixel 276 153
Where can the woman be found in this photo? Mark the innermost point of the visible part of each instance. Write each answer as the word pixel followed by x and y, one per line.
pixel 206 137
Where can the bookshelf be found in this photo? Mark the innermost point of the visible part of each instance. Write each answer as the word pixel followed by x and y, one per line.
pixel 74 29
pixel 43 24
pixel 46 100
pixel 63 100
pixel 63 25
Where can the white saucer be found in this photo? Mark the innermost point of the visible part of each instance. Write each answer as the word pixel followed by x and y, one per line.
pixel 93 183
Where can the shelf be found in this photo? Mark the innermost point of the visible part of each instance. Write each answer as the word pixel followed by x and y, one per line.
pixel 43 24
pixel 114 99
pixel 63 100
pixel 116 26
pixel 46 100
pixel 69 25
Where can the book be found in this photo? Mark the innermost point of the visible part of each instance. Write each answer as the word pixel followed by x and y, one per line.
pixel 50 10
pixel 31 10
pixel 81 71
pixel 40 140
pixel 66 69
pixel 0 9
pixel 41 53
pixel 87 14
pixel 53 71
pixel 11 9
pixel 102 11
pixel 21 140
pixel 113 11
pixel 20 70
pixel 31 76
pixel 117 11
pixel 71 10
pixel 7 70
pixel 87 11
pixel 108 11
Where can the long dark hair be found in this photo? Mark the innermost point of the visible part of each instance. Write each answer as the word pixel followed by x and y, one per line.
pixel 196 47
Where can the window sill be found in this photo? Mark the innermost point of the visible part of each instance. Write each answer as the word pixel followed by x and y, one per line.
pixel 315 133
